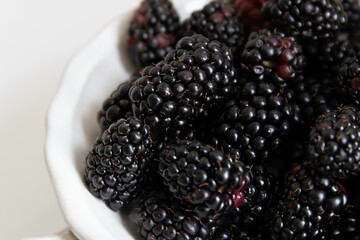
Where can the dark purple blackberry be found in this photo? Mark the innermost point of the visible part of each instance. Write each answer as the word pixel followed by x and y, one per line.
pixel 330 54
pixel 160 216
pixel 211 181
pixel 116 165
pixel 260 123
pixel 260 195
pixel 153 32
pixel 334 143
pixel 349 80
pixel 352 8
pixel 195 77
pixel 118 105
pixel 273 57
pixel 308 206
pixel 308 19
pixel 347 226
pixel 233 231
pixel 316 95
pixel 217 21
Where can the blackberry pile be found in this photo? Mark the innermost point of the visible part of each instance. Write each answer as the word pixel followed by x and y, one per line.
pixel 243 123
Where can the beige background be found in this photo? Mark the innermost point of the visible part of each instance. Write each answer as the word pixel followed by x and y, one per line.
pixel 37 39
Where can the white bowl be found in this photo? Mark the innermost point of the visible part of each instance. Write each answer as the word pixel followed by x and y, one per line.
pixel 72 127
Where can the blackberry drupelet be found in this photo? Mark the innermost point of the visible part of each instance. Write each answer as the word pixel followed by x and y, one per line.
pixel 334 143
pixel 152 32
pixel 116 165
pixel 308 206
pixel 316 95
pixel 349 80
pixel 118 105
pixel 271 56
pixel 160 216
pixel 260 123
pixel 214 183
pixel 307 19
pixel 194 78
pixel 233 231
pixel 249 14
pixel 217 21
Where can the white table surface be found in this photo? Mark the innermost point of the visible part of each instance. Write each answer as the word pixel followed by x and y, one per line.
pixel 37 39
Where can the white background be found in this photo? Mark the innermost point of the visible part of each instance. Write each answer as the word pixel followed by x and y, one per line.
pixel 37 39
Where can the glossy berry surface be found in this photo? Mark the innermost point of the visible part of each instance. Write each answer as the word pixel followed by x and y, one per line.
pixel 214 183
pixel 116 165
pixel 334 143
pixel 152 32
pixel 195 77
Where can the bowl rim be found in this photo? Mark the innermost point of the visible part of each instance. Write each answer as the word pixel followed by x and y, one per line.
pixel 58 113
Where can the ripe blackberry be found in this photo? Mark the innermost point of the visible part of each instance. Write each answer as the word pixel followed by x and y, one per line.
pixel 249 14
pixel 260 195
pixel 116 165
pixel 260 123
pixel 273 57
pixel 118 105
pixel 349 80
pixel 330 54
pixel 352 8
pixel 160 216
pixel 212 182
pixel 347 226
pixel 334 143
pixel 217 21
pixel 232 231
pixel 152 32
pixel 308 19
pixel 316 95
pixel 193 78
pixel 308 206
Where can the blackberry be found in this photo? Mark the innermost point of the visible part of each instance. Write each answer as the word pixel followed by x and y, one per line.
pixel 152 32
pixel 217 21
pixel 260 123
pixel 352 8
pixel 162 217
pixel 348 225
pixel 308 206
pixel 212 182
pixel 118 105
pixel 349 80
pixel 272 56
pixel 116 165
pixel 249 14
pixel 195 77
pixel 260 195
pixel 334 143
pixel 316 95
pixel 233 231
pixel 307 19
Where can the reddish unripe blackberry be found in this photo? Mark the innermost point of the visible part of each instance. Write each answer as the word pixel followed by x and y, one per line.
pixel 349 80
pixel 152 32
pixel 160 216
pixel 194 78
pixel 214 183
pixel 118 105
pixel 217 21
pixel 334 143
pixel 249 14
pixel 273 57
pixel 307 19
pixel 116 165
pixel 308 206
